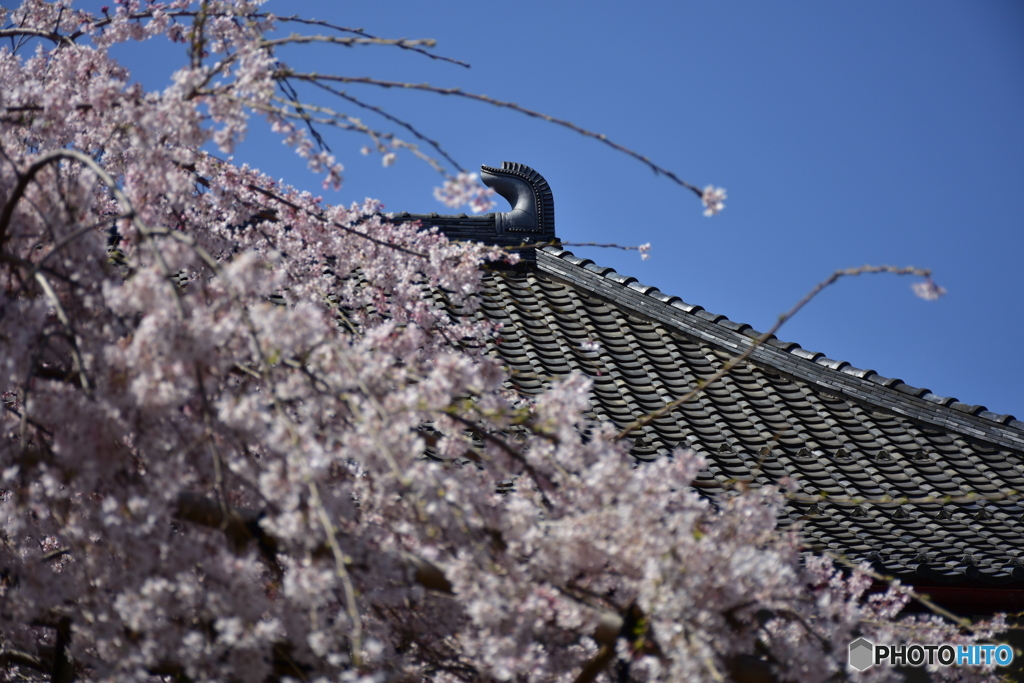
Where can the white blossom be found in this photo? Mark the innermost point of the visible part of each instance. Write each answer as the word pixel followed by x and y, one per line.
pixel 231 484
pixel 713 199
pixel 928 290
pixel 465 188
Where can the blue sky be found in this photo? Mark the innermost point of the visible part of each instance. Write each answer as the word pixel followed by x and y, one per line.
pixel 845 133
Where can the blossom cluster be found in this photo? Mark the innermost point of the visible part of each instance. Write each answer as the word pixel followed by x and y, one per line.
pixel 713 199
pixel 465 188
pixel 245 438
pixel 928 290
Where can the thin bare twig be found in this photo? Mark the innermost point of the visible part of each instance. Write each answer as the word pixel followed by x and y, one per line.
pixel 296 39
pixel 68 328
pixel 458 92
pixel 411 45
pixel 293 97
pixel 539 479
pixel 394 119
pixel 339 563
pixel 640 248
pixel 969 497
pixel 360 32
pixel 338 120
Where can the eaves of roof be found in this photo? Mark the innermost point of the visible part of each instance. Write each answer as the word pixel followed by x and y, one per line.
pixel 886 476
pixel 838 377
pixel 926 488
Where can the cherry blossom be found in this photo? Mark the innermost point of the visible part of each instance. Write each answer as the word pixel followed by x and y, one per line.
pixel 465 188
pixel 250 436
pixel 928 290
pixel 714 199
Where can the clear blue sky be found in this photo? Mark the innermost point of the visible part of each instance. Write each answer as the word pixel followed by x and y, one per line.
pixel 845 133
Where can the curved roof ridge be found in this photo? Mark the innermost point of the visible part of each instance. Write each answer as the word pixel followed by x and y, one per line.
pixel 830 375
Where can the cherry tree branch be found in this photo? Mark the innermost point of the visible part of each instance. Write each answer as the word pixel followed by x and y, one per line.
pixel 403 43
pixel 128 210
pixel 340 560
pixel 394 119
pixel 345 122
pixel 967 498
pixel 458 92
pixel 242 525
pixel 320 216
pixel 296 39
pixel 72 335
pixel 361 32
pixel 11 657
pixel 35 33
pixel 540 480
pixel 962 622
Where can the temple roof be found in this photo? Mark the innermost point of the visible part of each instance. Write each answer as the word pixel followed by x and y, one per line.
pixel 854 440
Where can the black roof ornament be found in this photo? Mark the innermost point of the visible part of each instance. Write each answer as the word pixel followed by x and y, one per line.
pixel 531 220
pixel 533 206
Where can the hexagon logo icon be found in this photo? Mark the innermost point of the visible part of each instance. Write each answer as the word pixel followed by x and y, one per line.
pixel 861 653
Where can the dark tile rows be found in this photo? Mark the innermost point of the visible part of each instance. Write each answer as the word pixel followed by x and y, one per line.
pixel 762 423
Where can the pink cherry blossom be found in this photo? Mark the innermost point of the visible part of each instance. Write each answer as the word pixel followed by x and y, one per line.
pixel 928 290
pixel 465 189
pixel 251 436
pixel 714 200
